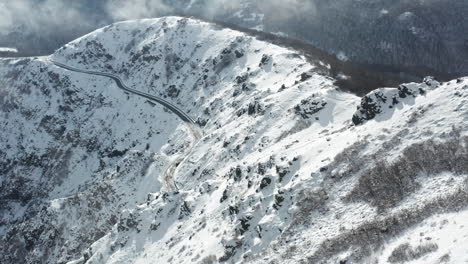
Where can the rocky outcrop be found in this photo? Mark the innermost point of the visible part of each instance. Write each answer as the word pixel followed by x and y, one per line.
pixel 384 100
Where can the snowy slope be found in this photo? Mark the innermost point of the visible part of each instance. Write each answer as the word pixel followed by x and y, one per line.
pixel 289 169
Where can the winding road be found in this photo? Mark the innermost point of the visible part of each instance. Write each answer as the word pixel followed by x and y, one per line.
pixel 189 122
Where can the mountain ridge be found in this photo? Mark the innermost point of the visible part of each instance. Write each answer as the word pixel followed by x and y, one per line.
pixel 415 36
pixel 281 175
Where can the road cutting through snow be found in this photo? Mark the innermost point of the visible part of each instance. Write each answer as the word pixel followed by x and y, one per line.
pixel 169 174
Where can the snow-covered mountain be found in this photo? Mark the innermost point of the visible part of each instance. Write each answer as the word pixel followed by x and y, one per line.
pixel 288 167
pixel 399 36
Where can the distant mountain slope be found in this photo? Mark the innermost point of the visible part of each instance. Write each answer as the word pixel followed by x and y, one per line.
pixel 400 35
pixel 290 168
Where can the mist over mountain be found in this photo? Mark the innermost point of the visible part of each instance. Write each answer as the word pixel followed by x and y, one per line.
pixel 413 34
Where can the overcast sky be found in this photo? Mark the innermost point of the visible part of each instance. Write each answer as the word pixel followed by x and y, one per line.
pixel 39 15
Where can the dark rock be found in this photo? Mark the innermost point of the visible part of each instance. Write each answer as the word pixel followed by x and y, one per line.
pixel 224 197
pixel 239 54
pixel 281 172
pixel 279 199
pixel 367 110
pixel 265 60
pixel 310 106
pixel 305 76
pixel 238 175
pixel 233 210
pixel 184 210
pixel 265 182
pixel 244 224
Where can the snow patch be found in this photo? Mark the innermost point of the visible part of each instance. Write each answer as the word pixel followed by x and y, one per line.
pixel 9 50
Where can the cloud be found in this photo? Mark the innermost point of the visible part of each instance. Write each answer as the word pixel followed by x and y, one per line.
pixel 43 15
pixel 7 10
pixel 274 9
pixel 283 10
pixel 132 9
pixel 44 25
pixel 216 8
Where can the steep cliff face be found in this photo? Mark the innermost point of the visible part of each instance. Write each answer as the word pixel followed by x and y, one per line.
pixel 288 168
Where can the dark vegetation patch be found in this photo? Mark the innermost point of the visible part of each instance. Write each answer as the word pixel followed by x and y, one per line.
pixel 53 126
pixel 445 258
pixel 39 232
pixel 309 202
pixel 127 223
pixel 230 250
pixel 254 108
pixel 235 173
pixel 405 252
pixel 386 184
pixel 228 56
pixel 371 235
pixel 115 153
pixel 172 91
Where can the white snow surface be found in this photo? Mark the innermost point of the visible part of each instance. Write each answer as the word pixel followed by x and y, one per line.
pixel 273 180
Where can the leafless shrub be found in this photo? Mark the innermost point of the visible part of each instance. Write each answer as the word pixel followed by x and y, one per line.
pixel 370 235
pixel 348 161
pixel 405 252
pixel 445 258
pixel 298 127
pixel 309 202
pixel 386 184
pixel 211 259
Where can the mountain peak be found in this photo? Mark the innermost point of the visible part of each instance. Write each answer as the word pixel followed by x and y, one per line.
pixel 280 163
